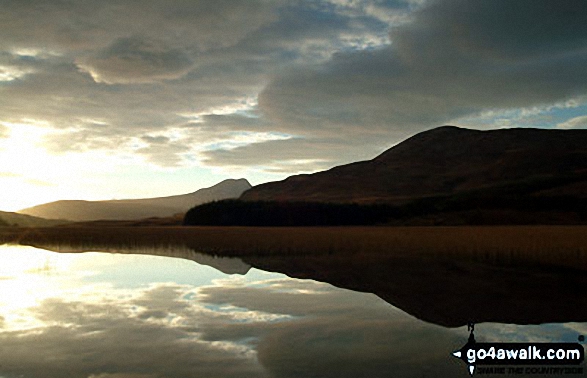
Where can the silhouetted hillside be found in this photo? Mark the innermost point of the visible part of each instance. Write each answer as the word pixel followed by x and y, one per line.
pixel 137 208
pixel 455 176
pixel 446 161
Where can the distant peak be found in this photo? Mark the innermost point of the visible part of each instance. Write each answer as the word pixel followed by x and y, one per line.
pixel 234 181
pixel 228 184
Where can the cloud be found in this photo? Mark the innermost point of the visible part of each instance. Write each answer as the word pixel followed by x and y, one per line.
pixel 455 58
pixel 138 49
pixel 155 139
pixel 85 24
pixel 286 155
pixel 135 60
pixel 453 61
pixel 103 75
pixel 146 74
pixel 166 155
pixel 83 139
pixel 346 78
pixel 573 123
pixel 10 73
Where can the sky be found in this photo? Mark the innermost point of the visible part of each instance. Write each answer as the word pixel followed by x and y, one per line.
pixel 127 99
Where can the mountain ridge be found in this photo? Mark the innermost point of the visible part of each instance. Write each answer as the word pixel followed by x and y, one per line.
pixel 131 209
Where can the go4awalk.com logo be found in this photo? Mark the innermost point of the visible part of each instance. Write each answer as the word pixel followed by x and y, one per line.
pixel 521 358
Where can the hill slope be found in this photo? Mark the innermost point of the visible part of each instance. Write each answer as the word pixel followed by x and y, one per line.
pixel 21 220
pixel 137 208
pixel 448 161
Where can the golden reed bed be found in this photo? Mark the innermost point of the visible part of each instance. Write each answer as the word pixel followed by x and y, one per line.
pixel 551 245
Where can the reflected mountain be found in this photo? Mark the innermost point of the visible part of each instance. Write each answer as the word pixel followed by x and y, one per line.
pixel 446 291
pixel 451 292
pixel 226 265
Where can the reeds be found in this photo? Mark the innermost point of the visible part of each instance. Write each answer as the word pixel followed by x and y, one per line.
pixel 549 245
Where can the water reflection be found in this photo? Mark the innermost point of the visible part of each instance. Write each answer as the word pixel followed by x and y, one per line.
pixel 127 315
pixel 450 291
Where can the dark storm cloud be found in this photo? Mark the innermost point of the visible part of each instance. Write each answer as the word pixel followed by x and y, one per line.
pixel 455 58
pixel 86 24
pixel 292 155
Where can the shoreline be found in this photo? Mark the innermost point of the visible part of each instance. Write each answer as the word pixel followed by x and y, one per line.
pixel 550 245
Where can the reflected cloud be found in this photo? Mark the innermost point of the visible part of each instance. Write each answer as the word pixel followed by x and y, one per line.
pixel 258 325
pixel 115 336
pixel 106 343
pixel 230 327
pixel 336 333
pixel 161 332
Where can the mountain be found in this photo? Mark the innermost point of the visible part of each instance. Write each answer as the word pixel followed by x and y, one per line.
pixel 456 176
pixel 8 219
pixel 137 208
pixel 226 265
pixel 446 161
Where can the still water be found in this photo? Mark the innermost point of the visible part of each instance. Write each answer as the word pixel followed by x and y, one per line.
pixel 116 315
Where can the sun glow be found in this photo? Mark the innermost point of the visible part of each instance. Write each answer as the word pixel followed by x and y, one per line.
pixel 27 172
pixel 27 277
pixel 30 174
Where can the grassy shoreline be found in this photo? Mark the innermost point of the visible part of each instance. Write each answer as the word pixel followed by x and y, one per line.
pixel 551 245
pixel 444 275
